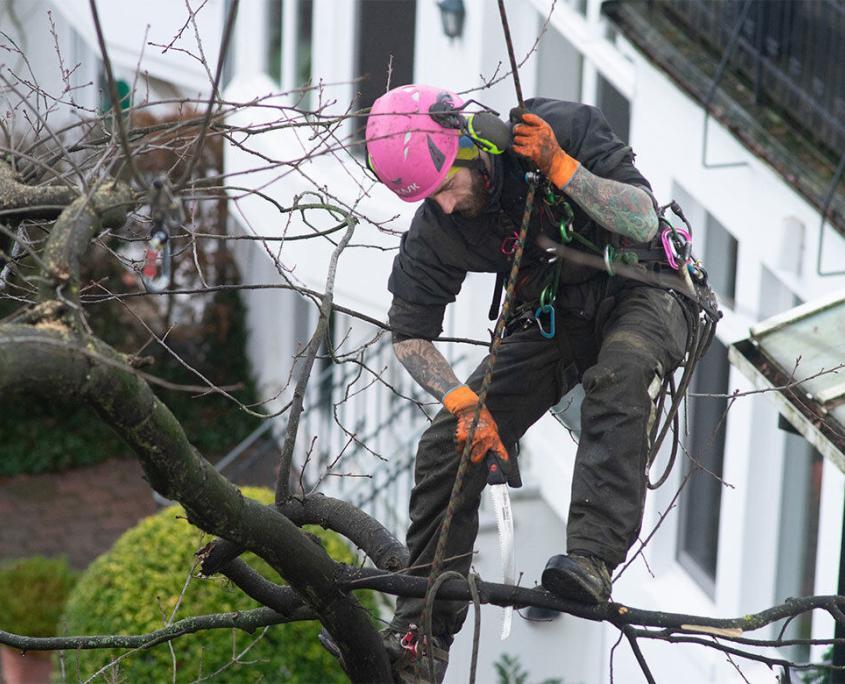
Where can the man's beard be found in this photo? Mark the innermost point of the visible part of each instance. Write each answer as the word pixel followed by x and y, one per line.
pixel 475 204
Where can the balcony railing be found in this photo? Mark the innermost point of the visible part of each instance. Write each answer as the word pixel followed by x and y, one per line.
pixel 790 53
pixel 357 436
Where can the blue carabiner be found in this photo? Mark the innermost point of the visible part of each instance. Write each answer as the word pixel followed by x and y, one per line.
pixel 546 309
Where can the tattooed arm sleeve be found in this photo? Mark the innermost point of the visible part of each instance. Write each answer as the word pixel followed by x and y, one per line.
pixel 619 207
pixel 427 366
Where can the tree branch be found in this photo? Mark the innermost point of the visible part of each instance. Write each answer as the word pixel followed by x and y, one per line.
pixel 246 620
pixel 19 201
pixel 176 470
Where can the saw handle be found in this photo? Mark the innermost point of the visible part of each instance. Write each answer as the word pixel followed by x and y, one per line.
pixel 495 471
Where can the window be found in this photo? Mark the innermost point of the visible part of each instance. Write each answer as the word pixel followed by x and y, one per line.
pixel 799 497
pixel 615 107
pixel 385 45
pixel 798 535
pixel 711 242
pixel 559 67
pixel 275 13
pixel 700 503
pixel 288 43
pixel 720 254
pixel 302 68
pixel 698 530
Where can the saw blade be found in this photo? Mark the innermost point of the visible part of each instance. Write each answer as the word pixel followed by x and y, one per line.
pixel 504 522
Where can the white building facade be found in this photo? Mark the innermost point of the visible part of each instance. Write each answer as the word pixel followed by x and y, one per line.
pixel 770 529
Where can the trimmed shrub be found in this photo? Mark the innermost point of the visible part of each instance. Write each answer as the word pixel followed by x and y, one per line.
pixel 135 587
pixel 33 592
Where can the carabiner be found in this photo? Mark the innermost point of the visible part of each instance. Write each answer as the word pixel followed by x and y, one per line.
pixel 509 244
pixel 566 231
pixel 609 258
pixel 546 309
pixel 547 297
pixel 159 244
pixel 677 245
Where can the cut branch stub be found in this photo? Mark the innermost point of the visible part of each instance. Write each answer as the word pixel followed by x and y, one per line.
pixel 73 230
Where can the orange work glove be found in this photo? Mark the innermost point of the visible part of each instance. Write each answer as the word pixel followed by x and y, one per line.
pixel 535 139
pixel 461 403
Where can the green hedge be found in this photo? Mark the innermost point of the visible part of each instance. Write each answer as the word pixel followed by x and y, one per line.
pixel 134 587
pixel 33 592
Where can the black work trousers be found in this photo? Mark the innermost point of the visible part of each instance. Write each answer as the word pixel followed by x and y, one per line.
pixel 620 355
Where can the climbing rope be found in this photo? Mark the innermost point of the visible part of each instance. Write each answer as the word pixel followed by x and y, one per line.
pixel 498 336
pixel 532 178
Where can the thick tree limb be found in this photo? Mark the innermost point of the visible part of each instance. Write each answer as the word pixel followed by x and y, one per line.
pixel 368 534
pixel 615 613
pixel 283 600
pixel 19 201
pixel 175 469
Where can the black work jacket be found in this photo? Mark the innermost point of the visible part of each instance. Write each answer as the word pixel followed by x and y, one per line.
pixel 440 249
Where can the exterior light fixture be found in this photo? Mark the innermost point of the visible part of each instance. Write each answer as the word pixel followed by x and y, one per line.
pixel 452 13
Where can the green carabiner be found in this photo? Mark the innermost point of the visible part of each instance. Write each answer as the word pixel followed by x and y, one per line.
pixel 566 231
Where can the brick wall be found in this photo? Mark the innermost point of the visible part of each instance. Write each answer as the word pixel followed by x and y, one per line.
pixel 78 514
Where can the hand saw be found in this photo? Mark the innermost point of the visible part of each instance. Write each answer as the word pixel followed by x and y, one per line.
pixel 497 485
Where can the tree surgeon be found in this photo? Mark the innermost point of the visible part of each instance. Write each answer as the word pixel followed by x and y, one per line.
pixel 570 323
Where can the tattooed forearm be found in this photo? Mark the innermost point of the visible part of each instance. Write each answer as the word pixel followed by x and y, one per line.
pixel 427 366
pixel 621 208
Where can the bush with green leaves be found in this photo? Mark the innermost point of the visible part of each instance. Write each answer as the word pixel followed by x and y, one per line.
pixel 136 587
pixel 33 592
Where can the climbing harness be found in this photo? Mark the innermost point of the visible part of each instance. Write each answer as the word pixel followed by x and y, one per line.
pixel 672 267
pixel 702 312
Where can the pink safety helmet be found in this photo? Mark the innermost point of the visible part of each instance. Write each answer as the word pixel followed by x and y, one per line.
pixel 408 150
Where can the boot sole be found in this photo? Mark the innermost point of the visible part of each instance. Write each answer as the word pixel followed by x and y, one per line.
pixel 561 579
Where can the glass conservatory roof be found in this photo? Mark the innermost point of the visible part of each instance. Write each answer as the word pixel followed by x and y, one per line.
pixel 800 354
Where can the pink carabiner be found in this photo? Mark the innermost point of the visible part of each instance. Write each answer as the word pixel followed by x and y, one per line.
pixel 508 246
pixel 669 248
pixel 410 643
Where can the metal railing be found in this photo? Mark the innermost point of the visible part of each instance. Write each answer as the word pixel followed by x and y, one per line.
pixel 791 54
pixel 366 431
pixel 367 424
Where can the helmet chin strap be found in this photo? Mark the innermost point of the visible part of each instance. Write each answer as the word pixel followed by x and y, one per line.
pixel 480 163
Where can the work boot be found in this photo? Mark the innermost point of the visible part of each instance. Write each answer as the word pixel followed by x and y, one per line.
pixel 409 661
pixel 578 578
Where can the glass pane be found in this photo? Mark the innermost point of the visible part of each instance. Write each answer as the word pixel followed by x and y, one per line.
pixel 701 500
pixel 305 21
pixel 384 52
pixel 559 66
pixel 275 13
pixel 615 107
pixel 798 535
pixel 720 250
